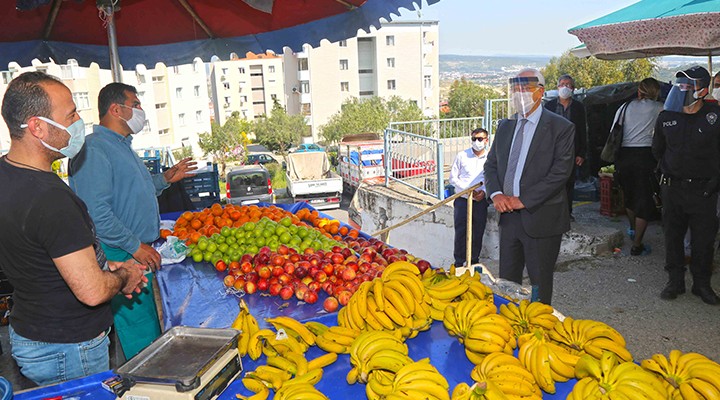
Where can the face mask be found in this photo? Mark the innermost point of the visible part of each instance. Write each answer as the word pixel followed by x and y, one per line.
pixel 77 137
pixel 716 94
pixel 564 92
pixel 523 102
pixel 136 123
pixel 479 145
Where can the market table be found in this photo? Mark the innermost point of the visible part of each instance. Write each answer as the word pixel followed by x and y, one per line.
pixel 193 294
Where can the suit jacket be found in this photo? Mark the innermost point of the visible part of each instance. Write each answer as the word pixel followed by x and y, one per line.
pixel 577 117
pixel 547 168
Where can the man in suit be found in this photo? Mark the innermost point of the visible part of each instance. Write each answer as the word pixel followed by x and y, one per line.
pixel 573 111
pixel 528 165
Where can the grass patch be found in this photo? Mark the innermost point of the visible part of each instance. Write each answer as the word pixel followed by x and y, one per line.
pixel 277 175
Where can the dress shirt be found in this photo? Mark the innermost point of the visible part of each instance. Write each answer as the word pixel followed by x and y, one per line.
pixel 468 170
pixel 118 190
pixel 529 133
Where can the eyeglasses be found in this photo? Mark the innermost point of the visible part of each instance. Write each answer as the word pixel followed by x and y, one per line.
pixel 478 139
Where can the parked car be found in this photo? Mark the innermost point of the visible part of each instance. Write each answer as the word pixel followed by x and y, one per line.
pixel 308 147
pixel 249 184
pixel 261 159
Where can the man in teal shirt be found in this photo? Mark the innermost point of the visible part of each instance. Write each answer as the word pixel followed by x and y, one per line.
pixel 121 197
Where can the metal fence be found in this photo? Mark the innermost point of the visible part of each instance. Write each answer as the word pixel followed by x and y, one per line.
pixel 495 111
pixel 414 160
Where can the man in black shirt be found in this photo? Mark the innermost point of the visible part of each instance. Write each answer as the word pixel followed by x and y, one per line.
pixel 687 143
pixel 61 314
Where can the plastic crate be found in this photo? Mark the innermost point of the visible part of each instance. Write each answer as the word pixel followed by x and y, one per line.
pixel 152 164
pixel 611 198
pixel 204 187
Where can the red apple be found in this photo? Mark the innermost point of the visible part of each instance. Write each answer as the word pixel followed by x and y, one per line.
pixel 221 266
pixel 294 257
pixel 239 284
pixel 337 249
pixel 283 250
pixel 309 250
pixel 286 292
pixel 327 287
pixel 344 297
pixel 348 274
pixel 300 271
pixel 321 276
pixel 311 297
pixel 229 280
pixel 265 250
pixel 264 272
pixel 330 304
pixel 337 258
pixel 274 288
pixel 289 268
pixel 262 284
pixel 300 291
pixel 306 280
pixel 284 279
pixel 246 266
pixel 346 252
pixel 246 258
pixel 328 269
pixel 250 287
pixel 315 286
pixel 251 277
pixel 277 260
pixel 422 265
pixel 277 271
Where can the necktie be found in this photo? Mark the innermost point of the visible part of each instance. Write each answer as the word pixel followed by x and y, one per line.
pixel 513 160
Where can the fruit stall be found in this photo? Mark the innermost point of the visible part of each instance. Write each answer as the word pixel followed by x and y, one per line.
pixel 329 312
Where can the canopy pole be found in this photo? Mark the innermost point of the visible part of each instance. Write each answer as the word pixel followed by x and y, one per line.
pixel 710 64
pixel 112 44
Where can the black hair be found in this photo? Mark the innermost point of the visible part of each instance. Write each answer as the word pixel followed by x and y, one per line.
pixel 113 93
pixel 24 98
pixel 478 130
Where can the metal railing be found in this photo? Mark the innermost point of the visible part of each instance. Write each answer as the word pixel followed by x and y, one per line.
pixel 495 111
pixel 415 161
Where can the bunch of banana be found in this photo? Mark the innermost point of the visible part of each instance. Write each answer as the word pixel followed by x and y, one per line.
pixel 256 342
pixel 527 316
pixel 336 339
pixel 460 316
pixel 686 375
pixel 548 362
pixel 508 375
pixel 585 336
pixel 379 384
pixel 376 350
pixel 247 324
pixel 610 378
pixel 479 391
pixel 418 380
pixel 316 328
pixel 479 328
pixel 299 391
pixel 442 292
pixel 279 371
pixel 476 289
pixel 270 377
pixel 293 328
pixel 257 386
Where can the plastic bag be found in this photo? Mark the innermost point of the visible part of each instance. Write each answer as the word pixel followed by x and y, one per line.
pixel 173 251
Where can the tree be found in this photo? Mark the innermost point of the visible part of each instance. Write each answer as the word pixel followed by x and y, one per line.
pixel 368 115
pixel 225 142
pixel 590 72
pixel 280 131
pixel 467 99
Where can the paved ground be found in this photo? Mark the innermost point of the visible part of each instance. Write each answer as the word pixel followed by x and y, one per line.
pixel 618 289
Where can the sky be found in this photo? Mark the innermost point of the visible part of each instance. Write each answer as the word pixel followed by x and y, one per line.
pixel 512 27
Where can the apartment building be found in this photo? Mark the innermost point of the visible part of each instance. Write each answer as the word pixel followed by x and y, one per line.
pixel 399 59
pixel 249 85
pixel 175 99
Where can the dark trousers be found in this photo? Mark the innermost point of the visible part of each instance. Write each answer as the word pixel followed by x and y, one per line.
pixel 683 207
pixel 518 250
pixel 479 216
pixel 570 187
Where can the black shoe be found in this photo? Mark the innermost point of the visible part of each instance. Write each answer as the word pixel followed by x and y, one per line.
pixel 706 294
pixel 637 250
pixel 672 290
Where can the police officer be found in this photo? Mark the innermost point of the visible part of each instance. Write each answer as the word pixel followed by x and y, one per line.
pixel 687 143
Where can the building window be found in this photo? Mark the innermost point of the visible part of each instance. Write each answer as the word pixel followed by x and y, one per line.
pixel 391 84
pixel 344 86
pixel 344 64
pixel 227 101
pixel 304 87
pixel 391 62
pixel 243 99
pixel 427 82
pixel 303 64
pixel 6 77
pixel 226 85
pixel 196 91
pixel 82 100
pixel 196 66
pixel 89 128
pixel 140 78
pixel 241 70
pixel 390 40
pixel 178 93
pixel 367 93
pixel 342 43
pixel 163 131
pixel 271 69
pixel 176 69
pixel 158 79
pixel 160 106
pixel 146 128
pixel 181 119
pixel 198 116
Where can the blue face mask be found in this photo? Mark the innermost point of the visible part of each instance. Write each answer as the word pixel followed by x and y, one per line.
pixel 77 137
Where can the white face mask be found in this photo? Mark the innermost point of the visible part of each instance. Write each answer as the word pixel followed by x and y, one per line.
pixel 564 92
pixel 136 123
pixel 479 145
pixel 523 102
pixel 716 94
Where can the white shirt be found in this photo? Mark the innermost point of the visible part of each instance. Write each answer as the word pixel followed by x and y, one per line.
pixel 468 170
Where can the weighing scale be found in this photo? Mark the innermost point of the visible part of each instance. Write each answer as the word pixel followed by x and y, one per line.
pixel 183 364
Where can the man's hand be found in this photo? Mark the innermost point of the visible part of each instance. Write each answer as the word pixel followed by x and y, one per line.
pixel 135 277
pixel 479 195
pixel 516 204
pixel 579 161
pixel 181 170
pixel 146 255
pixel 502 203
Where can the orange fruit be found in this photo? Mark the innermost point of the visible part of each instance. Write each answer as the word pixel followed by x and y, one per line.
pixel 187 215
pixel 164 233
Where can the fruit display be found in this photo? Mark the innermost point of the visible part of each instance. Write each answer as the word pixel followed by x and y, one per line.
pixel 548 362
pixel 502 376
pixel 526 316
pixel 589 337
pixel 610 378
pixel 247 324
pixel 686 375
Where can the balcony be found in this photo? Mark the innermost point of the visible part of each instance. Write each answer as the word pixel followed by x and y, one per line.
pixel 305 98
pixel 303 75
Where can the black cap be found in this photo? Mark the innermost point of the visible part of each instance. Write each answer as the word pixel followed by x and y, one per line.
pixel 696 72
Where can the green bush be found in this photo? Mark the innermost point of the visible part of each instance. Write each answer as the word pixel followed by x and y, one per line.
pixel 277 175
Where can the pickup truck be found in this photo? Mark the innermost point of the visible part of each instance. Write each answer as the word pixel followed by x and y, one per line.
pixel 310 179
pixel 360 160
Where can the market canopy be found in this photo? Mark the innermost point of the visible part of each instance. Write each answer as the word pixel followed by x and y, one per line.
pixel 176 31
pixel 651 28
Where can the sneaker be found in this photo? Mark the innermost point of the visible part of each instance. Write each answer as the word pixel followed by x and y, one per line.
pixel 631 233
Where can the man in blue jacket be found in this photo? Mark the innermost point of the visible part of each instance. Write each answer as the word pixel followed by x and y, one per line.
pixel 121 196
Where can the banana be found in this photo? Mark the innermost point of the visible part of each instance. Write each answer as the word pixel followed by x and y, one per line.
pixel 462 391
pixel 596 347
pixel 361 299
pixel 294 327
pixel 301 363
pixel 588 366
pixel 322 361
pixel 542 369
pixel 282 363
pixel 298 391
pixel 394 314
pixel 255 344
pixel 377 386
pixel 317 328
pixel 704 388
pixel 405 306
pixel 373 323
pixel 330 346
pixel 386 360
pixel 447 292
pixel 482 346
pixel 254 385
pixel 564 370
pixel 597 329
pixel 393 268
pixel 244 339
pixel 707 375
pixel 352 376
pixel 411 283
pixel 378 314
pixel 377 292
pixel 312 377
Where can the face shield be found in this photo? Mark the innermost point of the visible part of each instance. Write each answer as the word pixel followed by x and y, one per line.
pixel 522 91
pixel 683 93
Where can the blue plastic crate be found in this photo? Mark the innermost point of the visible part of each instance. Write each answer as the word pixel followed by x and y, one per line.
pixel 204 187
pixel 152 164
